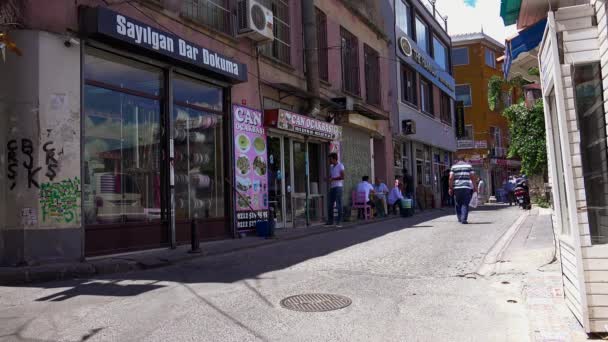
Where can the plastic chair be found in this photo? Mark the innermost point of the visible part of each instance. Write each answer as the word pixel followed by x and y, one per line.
pixel 360 203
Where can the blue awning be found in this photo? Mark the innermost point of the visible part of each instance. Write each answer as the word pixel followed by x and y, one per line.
pixel 525 40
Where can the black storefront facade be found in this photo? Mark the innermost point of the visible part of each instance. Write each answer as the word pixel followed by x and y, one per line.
pixel 156 135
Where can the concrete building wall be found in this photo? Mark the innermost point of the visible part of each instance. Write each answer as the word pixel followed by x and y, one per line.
pixel 41 106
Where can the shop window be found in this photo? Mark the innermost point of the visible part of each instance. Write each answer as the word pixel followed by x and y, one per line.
pixel 122 106
pixel 214 14
pixel 440 53
pixel 463 93
pixel 408 85
pixel 372 76
pixel 490 58
pixel 403 16
pixel 322 51
pixel 426 96
pixel 446 109
pixel 350 62
pixel 197 109
pixel 460 56
pixel 280 47
pixel 592 122
pixel 422 35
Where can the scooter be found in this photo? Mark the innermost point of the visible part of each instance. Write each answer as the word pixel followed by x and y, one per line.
pixel 522 195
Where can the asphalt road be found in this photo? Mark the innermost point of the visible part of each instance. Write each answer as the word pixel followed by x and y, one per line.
pixel 407 282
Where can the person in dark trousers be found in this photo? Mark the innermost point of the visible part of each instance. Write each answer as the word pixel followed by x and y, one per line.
pixel 336 181
pixel 462 187
pixel 445 189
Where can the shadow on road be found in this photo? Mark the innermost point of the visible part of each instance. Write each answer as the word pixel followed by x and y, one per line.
pixel 241 265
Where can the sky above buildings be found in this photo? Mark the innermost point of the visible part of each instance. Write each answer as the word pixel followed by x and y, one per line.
pixel 468 16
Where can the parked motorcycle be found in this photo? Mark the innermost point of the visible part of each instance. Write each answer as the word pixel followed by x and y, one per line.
pixel 522 195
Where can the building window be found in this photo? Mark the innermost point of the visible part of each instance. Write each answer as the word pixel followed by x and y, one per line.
pixel 587 82
pixel 463 93
pixel 440 53
pixel 422 35
pixel 496 136
pixel 468 132
pixel 280 47
pixel 197 108
pixel 490 58
pixel 460 56
pixel 122 118
pixel 214 14
pixel 322 44
pixel 403 16
pixel 507 99
pixel 408 85
pixel 426 96
pixel 446 109
pixel 372 76
pixel 350 62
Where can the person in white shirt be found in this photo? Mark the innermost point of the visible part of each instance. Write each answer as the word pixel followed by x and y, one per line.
pixel 365 187
pixel 336 180
pixel 395 196
pixel 381 191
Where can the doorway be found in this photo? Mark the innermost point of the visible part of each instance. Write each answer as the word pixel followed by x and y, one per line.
pixel 296 193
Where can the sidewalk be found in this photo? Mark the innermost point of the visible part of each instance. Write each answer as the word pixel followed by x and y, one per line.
pixel 530 255
pixel 162 257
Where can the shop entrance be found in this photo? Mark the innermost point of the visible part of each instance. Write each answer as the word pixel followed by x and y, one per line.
pixel 296 192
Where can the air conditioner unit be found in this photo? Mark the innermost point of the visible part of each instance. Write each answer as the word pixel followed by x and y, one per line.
pixel 408 127
pixel 254 21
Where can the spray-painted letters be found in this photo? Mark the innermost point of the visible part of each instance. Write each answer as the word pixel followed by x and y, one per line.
pixel 13 162
pixel 59 201
pixel 27 149
pixel 51 162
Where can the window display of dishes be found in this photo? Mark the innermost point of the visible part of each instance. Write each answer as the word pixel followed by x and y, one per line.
pixel 243 165
pixel 259 144
pixel 243 184
pixel 259 165
pixel 243 143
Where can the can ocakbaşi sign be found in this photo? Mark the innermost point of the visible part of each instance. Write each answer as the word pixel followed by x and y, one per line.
pixel 288 121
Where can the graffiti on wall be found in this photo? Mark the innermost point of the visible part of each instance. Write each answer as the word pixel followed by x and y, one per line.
pixel 27 150
pixel 59 201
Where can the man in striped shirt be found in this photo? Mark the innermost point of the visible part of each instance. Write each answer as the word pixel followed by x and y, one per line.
pixel 462 187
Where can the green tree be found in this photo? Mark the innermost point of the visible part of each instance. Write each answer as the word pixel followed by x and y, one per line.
pixel 528 137
pixel 526 125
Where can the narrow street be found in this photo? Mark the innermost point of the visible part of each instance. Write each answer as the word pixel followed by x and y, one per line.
pixel 406 282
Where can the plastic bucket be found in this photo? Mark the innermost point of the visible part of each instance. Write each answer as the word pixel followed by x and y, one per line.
pixel 262 228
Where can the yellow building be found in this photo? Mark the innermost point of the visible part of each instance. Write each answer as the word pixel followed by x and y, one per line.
pixel 486 140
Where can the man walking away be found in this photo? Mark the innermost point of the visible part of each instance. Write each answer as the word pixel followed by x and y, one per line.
pixel 336 181
pixel 381 191
pixel 462 186
pixel 365 187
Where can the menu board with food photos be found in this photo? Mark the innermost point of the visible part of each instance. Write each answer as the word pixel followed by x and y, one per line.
pixel 251 168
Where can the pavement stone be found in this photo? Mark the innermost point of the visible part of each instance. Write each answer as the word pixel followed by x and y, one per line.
pixel 165 257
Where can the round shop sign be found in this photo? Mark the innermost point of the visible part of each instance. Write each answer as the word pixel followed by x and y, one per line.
pixel 405 46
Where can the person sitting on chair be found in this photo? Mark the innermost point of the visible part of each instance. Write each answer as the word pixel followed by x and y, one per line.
pixel 365 187
pixel 395 197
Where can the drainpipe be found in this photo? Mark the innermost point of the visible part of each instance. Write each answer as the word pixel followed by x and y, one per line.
pixel 311 57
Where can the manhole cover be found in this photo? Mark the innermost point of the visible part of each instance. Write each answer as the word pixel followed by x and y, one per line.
pixel 315 302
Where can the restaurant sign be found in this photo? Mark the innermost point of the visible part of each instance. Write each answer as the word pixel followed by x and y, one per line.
pixel 251 168
pixel 102 22
pixel 301 124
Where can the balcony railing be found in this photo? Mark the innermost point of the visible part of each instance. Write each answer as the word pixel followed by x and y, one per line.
pixel 464 144
pixel 441 20
pixel 212 13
